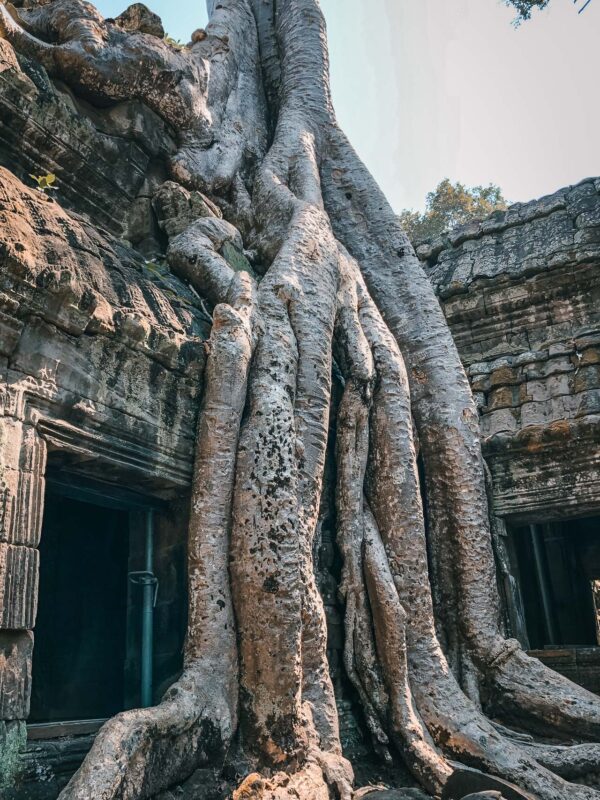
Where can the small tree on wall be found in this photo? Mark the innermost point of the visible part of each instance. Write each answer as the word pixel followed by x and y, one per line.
pixel 449 205
pixel 335 283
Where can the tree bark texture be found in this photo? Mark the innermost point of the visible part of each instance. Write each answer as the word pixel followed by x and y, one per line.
pixel 335 281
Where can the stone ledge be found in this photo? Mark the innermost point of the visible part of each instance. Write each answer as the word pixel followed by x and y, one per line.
pixel 526 239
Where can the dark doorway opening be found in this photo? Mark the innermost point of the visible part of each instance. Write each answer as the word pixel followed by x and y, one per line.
pixel 557 566
pixel 80 634
pixel 103 643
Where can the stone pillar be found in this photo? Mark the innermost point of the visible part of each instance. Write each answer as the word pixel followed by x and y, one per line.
pixel 22 467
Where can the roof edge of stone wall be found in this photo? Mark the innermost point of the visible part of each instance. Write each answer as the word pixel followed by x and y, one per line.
pixel 528 226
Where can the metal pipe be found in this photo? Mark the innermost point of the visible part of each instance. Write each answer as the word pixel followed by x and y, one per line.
pixel 148 614
pixel 542 577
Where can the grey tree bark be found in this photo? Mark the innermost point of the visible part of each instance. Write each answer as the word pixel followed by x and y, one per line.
pixel 338 281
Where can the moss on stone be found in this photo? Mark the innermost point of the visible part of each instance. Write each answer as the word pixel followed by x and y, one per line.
pixel 236 259
pixel 13 736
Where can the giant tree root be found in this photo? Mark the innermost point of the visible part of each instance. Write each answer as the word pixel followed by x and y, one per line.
pixel 455 723
pixel 462 565
pixel 139 752
pixel 251 112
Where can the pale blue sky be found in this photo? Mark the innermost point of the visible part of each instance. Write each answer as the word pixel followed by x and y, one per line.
pixel 428 89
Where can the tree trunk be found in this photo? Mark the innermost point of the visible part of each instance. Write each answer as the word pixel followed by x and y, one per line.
pixel 338 281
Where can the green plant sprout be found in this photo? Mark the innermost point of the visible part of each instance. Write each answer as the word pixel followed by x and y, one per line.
pixel 175 43
pixel 44 182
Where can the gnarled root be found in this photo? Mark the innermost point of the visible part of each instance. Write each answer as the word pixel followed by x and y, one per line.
pixel 140 752
pixel 543 701
pixel 375 653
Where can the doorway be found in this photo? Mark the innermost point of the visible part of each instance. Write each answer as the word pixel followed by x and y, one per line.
pixel 112 610
pixel 557 566
pixel 80 634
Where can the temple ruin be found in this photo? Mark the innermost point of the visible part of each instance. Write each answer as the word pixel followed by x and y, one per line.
pixel 102 353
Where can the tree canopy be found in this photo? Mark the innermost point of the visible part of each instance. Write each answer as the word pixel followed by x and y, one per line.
pixel 525 7
pixel 449 205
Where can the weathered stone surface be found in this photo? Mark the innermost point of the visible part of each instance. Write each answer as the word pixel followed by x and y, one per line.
pixel 22 464
pixel 484 796
pixel 138 17
pixel 15 674
pixel 466 782
pixel 19 568
pixel 101 361
pixel 44 129
pixel 396 794
pixel 177 208
pixel 44 767
pixel 131 380
pixel 521 292
pixel 62 268
pixel 13 736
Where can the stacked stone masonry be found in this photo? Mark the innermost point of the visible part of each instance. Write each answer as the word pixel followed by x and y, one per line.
pixel 521 292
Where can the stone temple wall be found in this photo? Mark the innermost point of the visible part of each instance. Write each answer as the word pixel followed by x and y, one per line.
pixel 101 366
pixel 102 352
pixel 521 293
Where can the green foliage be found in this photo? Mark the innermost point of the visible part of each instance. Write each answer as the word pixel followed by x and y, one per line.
pixel 525 7
pixel 175 43
pixel 44 182
pixel 451 204
pixel 13 738
pixel 156 270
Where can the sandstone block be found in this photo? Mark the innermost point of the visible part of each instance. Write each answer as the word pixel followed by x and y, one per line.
pixel 500 421
pixel 587 403
pixel 586 378
pixel 22 465
pixel 590 355
pixel 480 383
pixel 560 349
pixel 479 398
pixel 555 366
pixel 503 397
pixel 588 235
pixel 535 413
pixel 19 575
pixel 530 357
pixel 13 737
pixel 505 376
pixel 16 649
pixel 589 219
